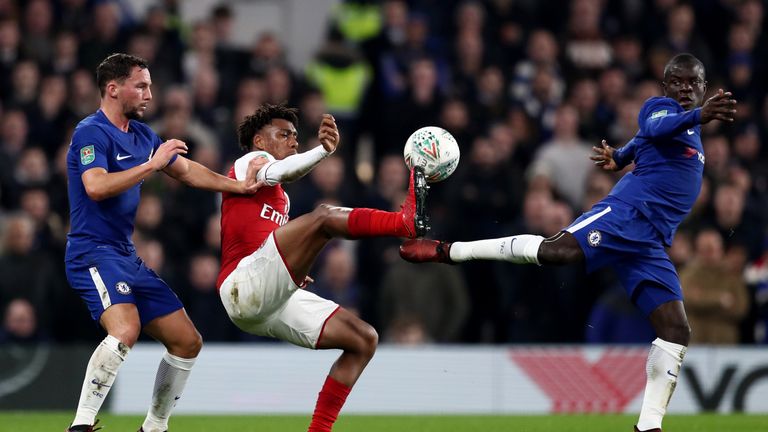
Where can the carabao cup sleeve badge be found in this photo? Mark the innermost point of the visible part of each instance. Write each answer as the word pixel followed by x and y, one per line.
pixel 87 155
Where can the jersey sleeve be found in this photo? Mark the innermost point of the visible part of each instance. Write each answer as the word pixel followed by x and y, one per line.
pixel 292 167
pixel 92 147
pixel 625 155
pixel 241 165
pixel 660 117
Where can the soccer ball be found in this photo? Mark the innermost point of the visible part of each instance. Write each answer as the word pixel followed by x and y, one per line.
pixel 434 149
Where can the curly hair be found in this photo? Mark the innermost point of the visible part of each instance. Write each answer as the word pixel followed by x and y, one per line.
pixel 263 116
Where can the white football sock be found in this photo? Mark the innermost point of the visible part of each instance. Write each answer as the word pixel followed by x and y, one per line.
pixel 99 377
pixel 171 378
pixel 662 369
pixel 519 249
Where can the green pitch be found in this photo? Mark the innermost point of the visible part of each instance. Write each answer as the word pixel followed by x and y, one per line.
pixel 48 421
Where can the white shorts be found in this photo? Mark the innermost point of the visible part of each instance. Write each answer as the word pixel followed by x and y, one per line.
pixel 262 299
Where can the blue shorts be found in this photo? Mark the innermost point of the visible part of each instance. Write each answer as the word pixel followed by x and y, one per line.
pixel 614 234
pixel 106 276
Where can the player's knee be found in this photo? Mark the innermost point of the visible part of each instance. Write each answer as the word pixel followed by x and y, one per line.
pixel 193 346
pixel 369 340
pixel 188 346
pixel 322 212
pixel 558 252
pixel 127 335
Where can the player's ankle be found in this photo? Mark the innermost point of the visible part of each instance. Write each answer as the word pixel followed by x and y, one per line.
pixel 444 252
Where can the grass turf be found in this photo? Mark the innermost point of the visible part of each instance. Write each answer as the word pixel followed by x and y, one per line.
pixel 54 421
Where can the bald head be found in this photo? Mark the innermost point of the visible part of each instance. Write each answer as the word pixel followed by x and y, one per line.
pixel 683 60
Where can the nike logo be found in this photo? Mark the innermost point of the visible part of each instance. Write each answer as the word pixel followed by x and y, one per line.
pixel 119 157
pixel 177 398
pixel 669 372
pixel 93 381
pixel 691 131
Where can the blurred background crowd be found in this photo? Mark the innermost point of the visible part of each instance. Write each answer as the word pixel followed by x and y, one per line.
pixel 526 87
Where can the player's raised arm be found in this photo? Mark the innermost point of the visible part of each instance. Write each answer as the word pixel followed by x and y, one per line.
pixel 659 119
pixel 296 166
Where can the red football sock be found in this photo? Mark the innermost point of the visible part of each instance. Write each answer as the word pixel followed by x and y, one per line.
pixel 365 222
pixel 329 403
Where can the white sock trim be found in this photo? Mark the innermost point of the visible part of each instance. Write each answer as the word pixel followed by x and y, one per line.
pixel 675 350
pixel 179 362
pixel 529 245
pixel 113 344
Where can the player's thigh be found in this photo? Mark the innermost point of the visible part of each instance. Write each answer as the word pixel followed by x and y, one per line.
pixel 176 331
pixel 302 239
pixel 301 322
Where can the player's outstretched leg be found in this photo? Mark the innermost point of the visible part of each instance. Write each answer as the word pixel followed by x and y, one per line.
pixel 520 249
pixel 561 248
pixel 302 239
pixel 412 221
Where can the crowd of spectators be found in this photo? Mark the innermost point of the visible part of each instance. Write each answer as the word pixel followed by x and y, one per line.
pixel 525 86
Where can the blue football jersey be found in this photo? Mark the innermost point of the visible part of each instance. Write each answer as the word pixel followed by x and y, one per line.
pixel 669 164
pixel 97 142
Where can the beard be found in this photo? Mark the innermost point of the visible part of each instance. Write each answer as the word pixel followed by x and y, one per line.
pixel 133 113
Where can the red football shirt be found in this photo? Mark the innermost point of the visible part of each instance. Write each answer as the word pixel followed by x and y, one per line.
pixel 247 220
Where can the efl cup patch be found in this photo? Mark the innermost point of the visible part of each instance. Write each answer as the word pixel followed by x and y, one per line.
pixel 658 114
pixel 87 155
pixel 594 237
pixel 123 288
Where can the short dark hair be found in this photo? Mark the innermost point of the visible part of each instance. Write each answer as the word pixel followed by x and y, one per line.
pixel 263 116
pixel 685 59
pixel 117 67
pixel 222 10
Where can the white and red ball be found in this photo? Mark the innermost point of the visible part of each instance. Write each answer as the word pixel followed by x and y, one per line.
pixel 434 149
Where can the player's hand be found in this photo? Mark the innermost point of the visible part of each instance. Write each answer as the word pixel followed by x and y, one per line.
pixel 721 107
pixel 166 151
pixel 307 280
pixel 603 157
pixel 328 134
pixel 251 185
